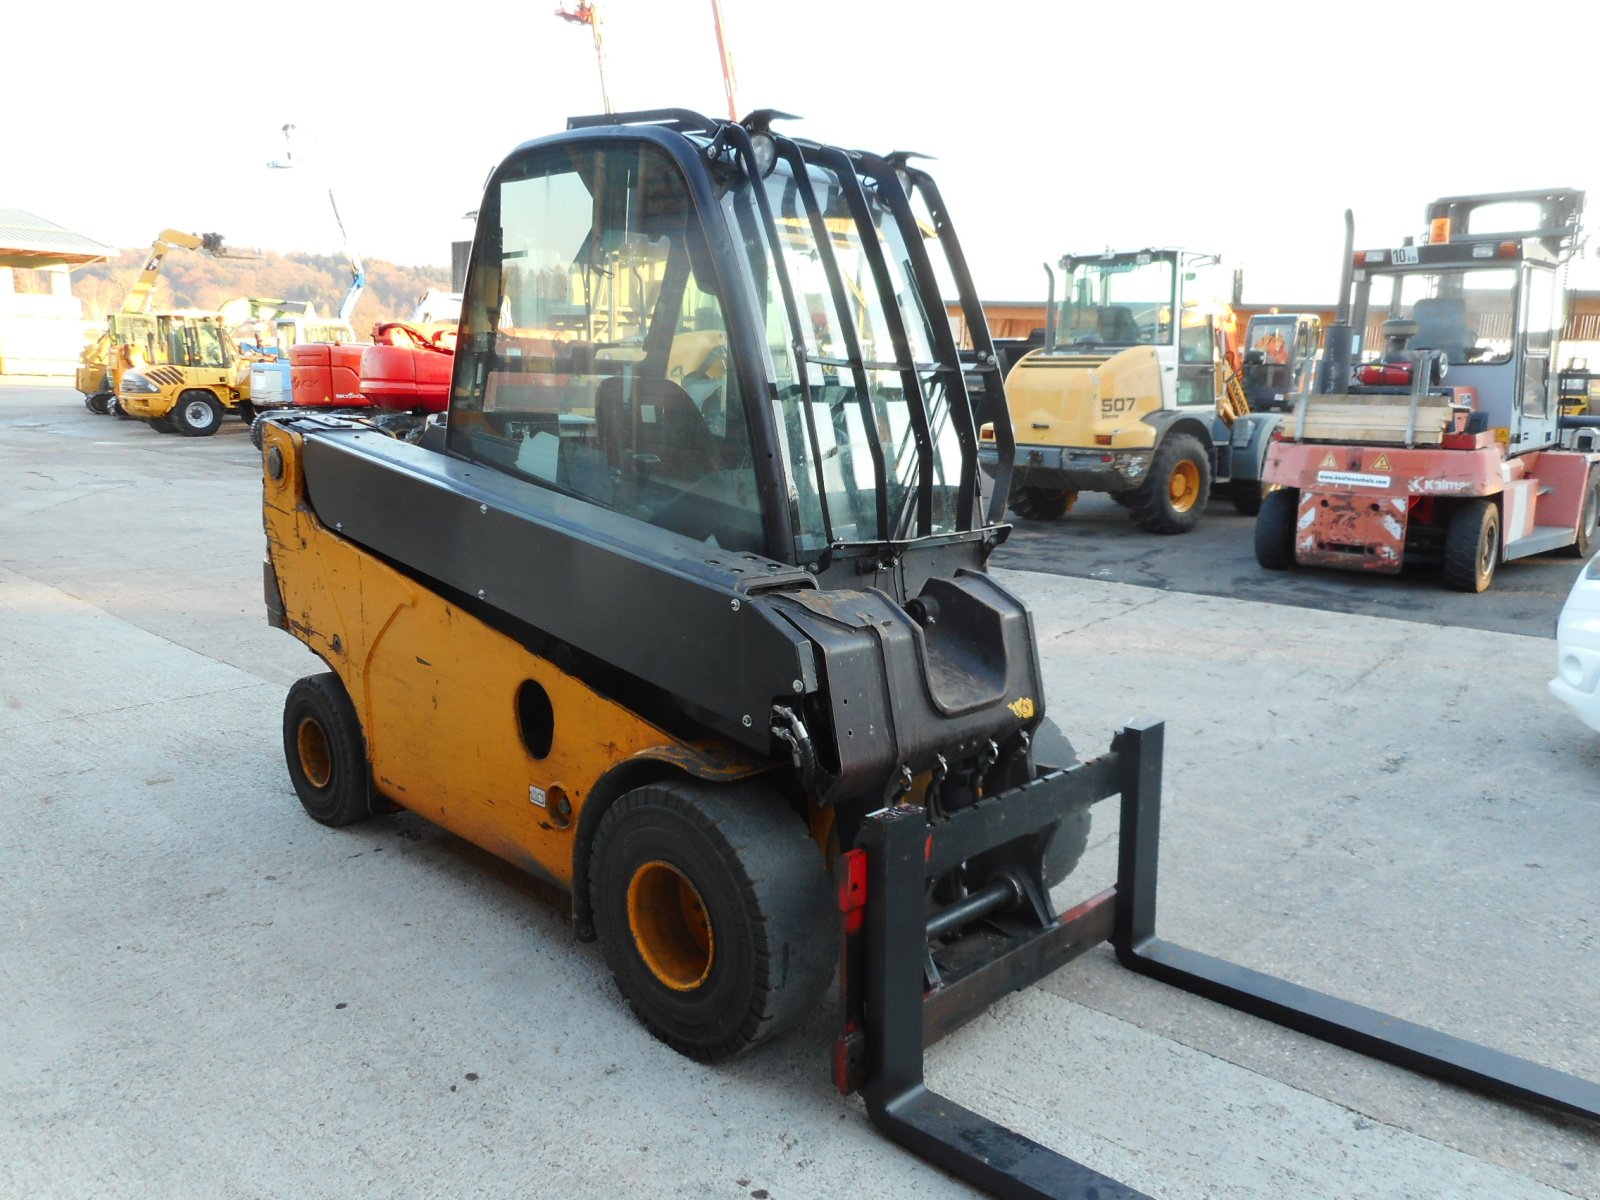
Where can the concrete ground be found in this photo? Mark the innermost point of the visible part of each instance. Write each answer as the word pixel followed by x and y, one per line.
pixel 209 995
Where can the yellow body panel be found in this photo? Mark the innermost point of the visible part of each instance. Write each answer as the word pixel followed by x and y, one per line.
pixel 93 379
pixel 436 691
pixel 1070 399
pixel 229 385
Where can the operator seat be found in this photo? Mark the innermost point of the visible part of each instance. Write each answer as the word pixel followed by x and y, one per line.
pixel 653 422
pixel 1442 325
pixel 1117 324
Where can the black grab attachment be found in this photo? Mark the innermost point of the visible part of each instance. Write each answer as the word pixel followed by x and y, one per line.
pixel 899 997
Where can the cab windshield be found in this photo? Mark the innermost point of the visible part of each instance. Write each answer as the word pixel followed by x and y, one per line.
pixel 1119 300
pixel 1469 314
pixel 194 343
pixel 854 401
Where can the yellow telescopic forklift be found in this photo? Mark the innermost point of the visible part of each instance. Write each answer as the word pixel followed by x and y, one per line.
pixel 716 652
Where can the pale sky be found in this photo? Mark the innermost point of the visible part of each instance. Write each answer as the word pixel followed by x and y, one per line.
pixel 1242 129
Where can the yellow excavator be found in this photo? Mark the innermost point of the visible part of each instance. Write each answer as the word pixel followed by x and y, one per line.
pixel 130 335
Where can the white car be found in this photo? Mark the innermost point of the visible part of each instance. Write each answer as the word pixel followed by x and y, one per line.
pixel 1577 680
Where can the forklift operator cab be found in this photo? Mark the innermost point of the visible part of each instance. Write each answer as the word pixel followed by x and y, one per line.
pixel 1495 325
pixel 599 325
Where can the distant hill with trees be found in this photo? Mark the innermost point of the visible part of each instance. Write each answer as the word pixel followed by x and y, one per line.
pixel 191 279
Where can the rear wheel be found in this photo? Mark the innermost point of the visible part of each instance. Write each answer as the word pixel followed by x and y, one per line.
pixel 1275 529
pixel 1472 546
pixel 326 753
pixel 1247 495
pixel 1041 504
pixel 713 908
pixel 1174 495
pixel 197 414
pixel 246 412
pixel 1588 520
pixel 97 403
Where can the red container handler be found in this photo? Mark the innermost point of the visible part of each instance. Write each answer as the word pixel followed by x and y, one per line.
pixel 326 375
pixel 406 371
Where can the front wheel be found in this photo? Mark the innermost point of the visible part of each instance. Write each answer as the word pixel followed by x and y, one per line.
pixel 97 403
pixel 712 906
pixel 1472 546
pixel 1174 495
pixel 1275 529
pixel 197 415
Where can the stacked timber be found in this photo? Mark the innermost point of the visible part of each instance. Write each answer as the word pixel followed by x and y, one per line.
pixel 1393 418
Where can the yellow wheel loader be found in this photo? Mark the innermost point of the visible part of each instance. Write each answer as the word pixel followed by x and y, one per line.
pixel 202 375
pixel 715 651
pixel 130 333
pixel 1136 393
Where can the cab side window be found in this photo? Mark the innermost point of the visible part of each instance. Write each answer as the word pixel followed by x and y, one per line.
pixel 596 345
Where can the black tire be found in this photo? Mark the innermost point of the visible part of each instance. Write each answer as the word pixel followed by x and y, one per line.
pixel 1472 546
pixel 326 753
pixel 1125 499
pixel 257 434
pixel 1246 496
pixel 246 412
pixel 673 859
pixel 1173 496
pixel 114 407
pixel 163 425
pixel 1275 529
pixel 1041 504
pixel 197 414
pixel 1069 837
pixel 1588 520
pixel 98 403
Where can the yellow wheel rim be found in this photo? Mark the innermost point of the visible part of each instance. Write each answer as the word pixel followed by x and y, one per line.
pixel 1183 489
pixel 315 761
pixel 670 926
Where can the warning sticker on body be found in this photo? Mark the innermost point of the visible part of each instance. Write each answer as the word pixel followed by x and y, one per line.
pixel 1329 461
pixel 1352 479
pixel 1381 463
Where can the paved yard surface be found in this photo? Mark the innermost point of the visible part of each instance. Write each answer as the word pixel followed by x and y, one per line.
pixel 206 994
